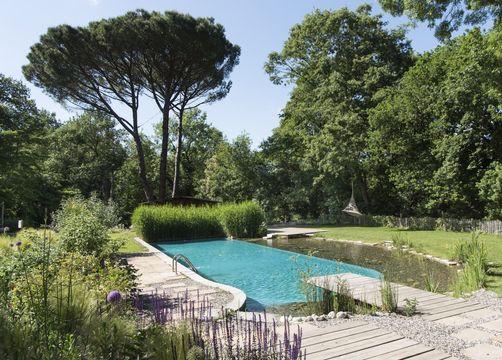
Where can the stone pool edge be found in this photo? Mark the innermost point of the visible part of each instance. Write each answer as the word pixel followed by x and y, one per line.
pixel 239 297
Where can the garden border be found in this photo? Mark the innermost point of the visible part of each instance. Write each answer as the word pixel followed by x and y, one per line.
pixel 239 297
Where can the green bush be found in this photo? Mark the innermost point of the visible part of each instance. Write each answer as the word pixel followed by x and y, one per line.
pixel 167 222
pixel 82 226
pixel 242 220
pixel 106 213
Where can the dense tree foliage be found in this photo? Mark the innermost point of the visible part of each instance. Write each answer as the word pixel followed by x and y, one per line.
pixel 231 173
pixel 337 61
pixel 85 154
pixel 109 64
pixel 419 140
pixel 24 189
pixel 449 123
pixel 446 16
pixel 411 134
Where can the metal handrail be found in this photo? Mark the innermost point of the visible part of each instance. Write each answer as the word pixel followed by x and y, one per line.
pixel 177 257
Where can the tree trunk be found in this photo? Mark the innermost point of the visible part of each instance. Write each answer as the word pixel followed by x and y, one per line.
pixel 178 156
pixel 163 156
pixel 142 169
pixel 364 189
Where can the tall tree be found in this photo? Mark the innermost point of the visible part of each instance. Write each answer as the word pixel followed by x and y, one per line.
pixel 174 58
pixel 94 68
pixel 85 153
pixel 209 60
pixel 446 16
pixel 187 63
pixel 338 61
pixel 127 186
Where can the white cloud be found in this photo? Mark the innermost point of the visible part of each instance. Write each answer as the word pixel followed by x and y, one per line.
pixel 94 2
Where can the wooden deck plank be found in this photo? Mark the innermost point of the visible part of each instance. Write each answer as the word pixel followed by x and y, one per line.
pixel 435 300
pixel 404 353
pixel 331 336
pixel 308 333
pixel 379 349
pixel 333 349
pixel 347 341
pixel 446 307
pixel 359 340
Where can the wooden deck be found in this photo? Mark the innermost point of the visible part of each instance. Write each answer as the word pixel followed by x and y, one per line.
pixel 289 231
pixel 431 306
pixel 360 340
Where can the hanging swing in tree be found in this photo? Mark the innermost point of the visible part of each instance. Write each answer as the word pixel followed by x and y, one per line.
pixel 351 209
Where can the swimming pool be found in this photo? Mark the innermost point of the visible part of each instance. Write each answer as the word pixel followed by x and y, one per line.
pixel 268 276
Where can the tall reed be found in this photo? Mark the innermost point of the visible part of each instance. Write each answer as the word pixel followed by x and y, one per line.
pixel 472 254
pixel 389 295
pixel 167 222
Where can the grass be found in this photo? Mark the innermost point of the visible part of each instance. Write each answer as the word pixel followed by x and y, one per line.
pixel 438 243
pixel 130 245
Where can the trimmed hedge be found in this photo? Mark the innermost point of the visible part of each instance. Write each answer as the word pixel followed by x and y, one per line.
pixel 169 223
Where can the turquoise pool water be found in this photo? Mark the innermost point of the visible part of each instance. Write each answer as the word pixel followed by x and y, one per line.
pixel 268 276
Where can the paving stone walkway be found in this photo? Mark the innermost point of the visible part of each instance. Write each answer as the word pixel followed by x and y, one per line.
pixel 157 276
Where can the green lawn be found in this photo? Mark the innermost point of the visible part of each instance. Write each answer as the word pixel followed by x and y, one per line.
pixel 438 243
pixel 130 245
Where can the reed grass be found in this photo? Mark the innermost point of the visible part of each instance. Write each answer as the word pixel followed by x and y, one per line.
pixel 474 257
pixel 431 284
pixel 389 294
pixel 170 223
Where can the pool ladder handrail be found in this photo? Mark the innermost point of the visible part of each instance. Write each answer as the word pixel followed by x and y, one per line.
pixel 177 257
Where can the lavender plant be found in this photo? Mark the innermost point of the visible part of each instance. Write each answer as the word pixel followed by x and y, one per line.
pixel 226 337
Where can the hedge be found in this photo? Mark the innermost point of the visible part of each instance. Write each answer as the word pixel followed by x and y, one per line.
pixel 170 223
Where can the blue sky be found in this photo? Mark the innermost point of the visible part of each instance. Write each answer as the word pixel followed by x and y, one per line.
pixel 258 27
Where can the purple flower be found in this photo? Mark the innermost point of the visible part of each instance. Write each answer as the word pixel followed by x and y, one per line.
pixel 113 297
pixel 18 243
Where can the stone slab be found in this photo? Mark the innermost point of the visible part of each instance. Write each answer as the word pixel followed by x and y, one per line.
pixel 473 335
pixel 454 321
pixel 482 314
pixel 495 325
pixel 484 352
